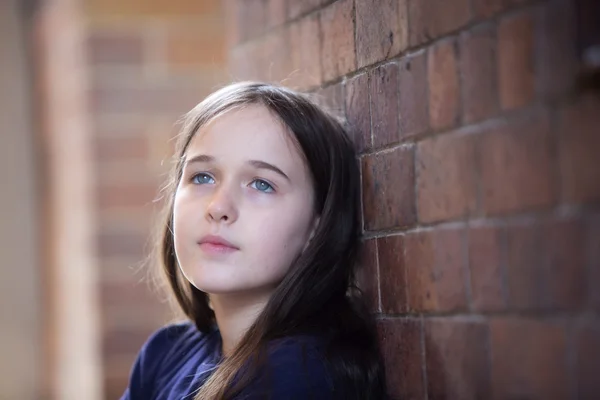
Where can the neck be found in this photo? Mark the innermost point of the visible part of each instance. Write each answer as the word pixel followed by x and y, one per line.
pixel 235 313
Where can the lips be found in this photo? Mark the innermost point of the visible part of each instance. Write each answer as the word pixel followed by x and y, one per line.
pixel 216 244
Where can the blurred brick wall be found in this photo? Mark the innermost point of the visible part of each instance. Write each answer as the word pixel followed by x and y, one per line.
pixel 150 62
pixel 481 181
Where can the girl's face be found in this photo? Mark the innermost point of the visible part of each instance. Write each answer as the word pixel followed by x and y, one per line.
pixel 243 209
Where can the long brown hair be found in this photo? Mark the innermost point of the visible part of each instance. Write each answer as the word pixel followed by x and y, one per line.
pixel 317 296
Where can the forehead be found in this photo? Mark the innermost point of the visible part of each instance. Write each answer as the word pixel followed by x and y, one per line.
pixel 248 133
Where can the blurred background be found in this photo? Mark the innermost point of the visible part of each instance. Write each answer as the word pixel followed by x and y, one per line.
pixel 478 128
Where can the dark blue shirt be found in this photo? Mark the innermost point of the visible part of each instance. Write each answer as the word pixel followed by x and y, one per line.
pixel 177 359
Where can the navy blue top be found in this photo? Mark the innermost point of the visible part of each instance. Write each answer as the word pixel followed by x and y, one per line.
pixel 177 359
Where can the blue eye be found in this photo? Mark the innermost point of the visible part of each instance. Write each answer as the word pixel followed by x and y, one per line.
pixel 262 186
pixel 201 179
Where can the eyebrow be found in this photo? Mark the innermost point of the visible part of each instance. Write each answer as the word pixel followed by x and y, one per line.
pixel 204 158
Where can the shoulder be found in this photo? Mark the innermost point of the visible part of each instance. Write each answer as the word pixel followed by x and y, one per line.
pixel 295 369
pixel 161 348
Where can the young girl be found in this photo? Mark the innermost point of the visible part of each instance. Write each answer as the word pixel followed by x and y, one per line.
pixel 259 248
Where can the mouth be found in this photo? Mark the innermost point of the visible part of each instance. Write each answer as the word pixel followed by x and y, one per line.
pixel 216 244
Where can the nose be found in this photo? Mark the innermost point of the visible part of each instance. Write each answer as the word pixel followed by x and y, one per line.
pixel 222 207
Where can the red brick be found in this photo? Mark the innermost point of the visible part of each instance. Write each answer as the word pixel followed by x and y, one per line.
pixel 305 48
pixel 148 100
pixel 516 71
pixel 200 45
pixel 479 75
pixel 592 253
pixel 124 340
pixel 546 265
pixel 358 111
pixel 133 9
pixel 487 8
pixel 388 189
pixel 587 341
pixel 401 348
pixel 251 18
pixel 275 53
pixel 300 7
pixel 563 279
pixel 383 88
pixel 125 48
pixel 457 359
pixel 528 359
pixel 486 261
pixel 337 50
pixel 556 53
pixel 413 96
pixel 125 195
pixel 332 97
pixel 446 180
pixel 276 12
pixel 444 88
pixel 118 149
pixel 113 244
pixel 245 61
pixel 381 30
pixel 393 269
pixel 435 270
pixel 431 19
pixel 579 142
pixel 516 166
pixel 368 274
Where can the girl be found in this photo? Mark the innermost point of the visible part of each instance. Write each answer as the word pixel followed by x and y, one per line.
pixel 259 248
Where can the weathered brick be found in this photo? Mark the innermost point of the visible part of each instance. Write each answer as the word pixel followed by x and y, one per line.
pixel 444 87
pixel 125 195
pixel 528 359
pixel 401 348
pixel 299 7
pixel 200 45
pixel 435 270
pixel 358 111
pixel 592 254
pixel 381 30
pixel 118 149
pixel 587 342
pixel 579 142
pixel 305 49
pixel 556 54
pixel 138 8
pixel 486 262
pixel 337 50
pixel 275 56
pixel 121 48
pixel 332 97
pixel 388 189
pixel 479 75
pixel 413 96
pixel 457 359
pixel 276 12
pixel 446 177
pixel 546 265
pixel 516 70
pixel 516 166
pixel 487 8
pixel 393 269
pixel 383 88
pixel 244 63
pixel 368 274
pixel 431 19
pixel 120 244
pixel 251 18
pixel 563 280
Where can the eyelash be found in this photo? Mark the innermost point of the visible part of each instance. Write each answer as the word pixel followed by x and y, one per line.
pixel 270 189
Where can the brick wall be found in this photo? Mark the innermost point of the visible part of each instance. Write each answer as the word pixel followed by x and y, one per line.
pixel 149 62
pixel 481 181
